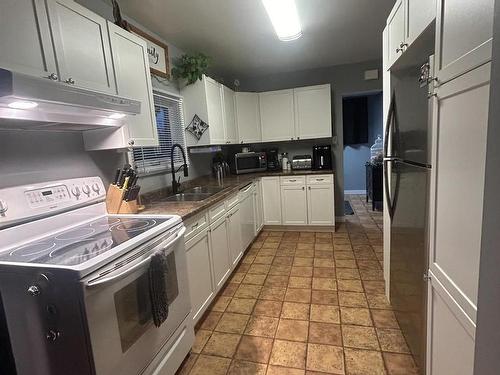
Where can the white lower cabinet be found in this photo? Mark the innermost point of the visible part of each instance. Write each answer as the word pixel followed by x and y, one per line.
pixel 259 215
pixel 234 235
pixel 271 200
pixel 320 204
pixel 293 205
pixel 219 248
pixel 201 285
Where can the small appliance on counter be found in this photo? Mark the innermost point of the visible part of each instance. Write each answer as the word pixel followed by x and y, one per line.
pixel 301 162
pixel 285 164
pixel 248 162
pixel 273 161
pixel 322 157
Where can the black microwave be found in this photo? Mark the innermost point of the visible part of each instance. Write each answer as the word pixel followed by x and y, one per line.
pixel 248 162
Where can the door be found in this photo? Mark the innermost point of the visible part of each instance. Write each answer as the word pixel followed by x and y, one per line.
pixel 219 248
pixel 320 205
pixel 419 15
pixel 231 134
pixel 25 43
pixel 313 114
pixel 464 31
pixel 409 249
pixel 133 80
pixel 213 91
pixel 199 274
pixel 277 115
pixel 235 241
pixel 271 200
pixel 396 31
pixel 81 46
pixel 294 205
pixel 248 117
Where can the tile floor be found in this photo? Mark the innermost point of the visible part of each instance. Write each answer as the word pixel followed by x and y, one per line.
pixel 305 303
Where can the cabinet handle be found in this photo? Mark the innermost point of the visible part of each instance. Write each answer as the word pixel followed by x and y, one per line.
pixel 292 180
pixel 403 45
pixel 70 81
pixel 131 142
pixel 319 179
pixel 309 188
pixel 53 77
pixel 194 226
pixel 291 139
pixel 303 187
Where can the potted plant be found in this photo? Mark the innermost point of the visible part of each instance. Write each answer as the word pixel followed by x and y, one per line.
pixel 190 68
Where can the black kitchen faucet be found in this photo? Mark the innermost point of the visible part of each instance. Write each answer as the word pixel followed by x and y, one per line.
pixel 176 184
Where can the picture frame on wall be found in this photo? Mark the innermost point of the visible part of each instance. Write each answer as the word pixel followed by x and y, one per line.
pixel 157 53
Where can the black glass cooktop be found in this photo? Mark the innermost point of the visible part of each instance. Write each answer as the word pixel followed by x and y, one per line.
pixel 81 243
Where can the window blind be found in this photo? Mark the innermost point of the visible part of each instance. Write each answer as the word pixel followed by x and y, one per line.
pixel 170 125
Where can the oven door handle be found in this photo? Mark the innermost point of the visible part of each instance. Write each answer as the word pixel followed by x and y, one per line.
pixel 169 243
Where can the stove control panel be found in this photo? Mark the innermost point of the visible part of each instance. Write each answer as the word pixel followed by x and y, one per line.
pixel 21 203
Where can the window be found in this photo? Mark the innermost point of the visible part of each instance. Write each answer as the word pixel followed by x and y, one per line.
pixel 170 125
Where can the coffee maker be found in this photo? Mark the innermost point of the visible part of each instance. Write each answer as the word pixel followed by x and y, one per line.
pixel 322 157
pixel 273 163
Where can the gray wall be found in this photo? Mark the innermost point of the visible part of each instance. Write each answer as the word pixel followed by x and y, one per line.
pixel 345 80
pixel 355 156
pixel 487 356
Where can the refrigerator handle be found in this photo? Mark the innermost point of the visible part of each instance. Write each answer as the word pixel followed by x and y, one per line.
pixel 388 125
pixel 391 201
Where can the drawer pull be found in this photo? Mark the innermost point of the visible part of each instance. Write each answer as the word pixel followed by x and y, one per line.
pixel 194 226
pixel 292 180
pixel 320 179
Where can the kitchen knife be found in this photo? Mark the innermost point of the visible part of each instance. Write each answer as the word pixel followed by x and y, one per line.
pixel 133 193
pixel 117 176
pixel 125 183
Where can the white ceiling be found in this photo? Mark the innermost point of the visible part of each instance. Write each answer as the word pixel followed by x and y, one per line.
pixel 239 37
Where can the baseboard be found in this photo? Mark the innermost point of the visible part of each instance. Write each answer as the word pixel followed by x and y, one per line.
pixel 357 192
pixel 301 228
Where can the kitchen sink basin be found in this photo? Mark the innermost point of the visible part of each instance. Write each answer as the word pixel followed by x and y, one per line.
pixel 204 190
pixel 188 197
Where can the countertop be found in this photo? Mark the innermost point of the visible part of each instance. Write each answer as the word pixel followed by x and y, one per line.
pixel 156 204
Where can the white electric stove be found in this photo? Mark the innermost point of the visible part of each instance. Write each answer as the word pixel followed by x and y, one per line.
pixel 74 282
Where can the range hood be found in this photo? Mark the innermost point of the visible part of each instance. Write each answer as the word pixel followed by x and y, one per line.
pixel 36 103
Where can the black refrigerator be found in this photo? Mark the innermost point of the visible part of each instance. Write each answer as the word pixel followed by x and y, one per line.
pixel 407 168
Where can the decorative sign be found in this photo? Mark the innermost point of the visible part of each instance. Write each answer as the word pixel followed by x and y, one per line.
pixel 157 52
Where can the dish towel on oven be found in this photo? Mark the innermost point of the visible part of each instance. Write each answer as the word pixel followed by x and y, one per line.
pixel 158 275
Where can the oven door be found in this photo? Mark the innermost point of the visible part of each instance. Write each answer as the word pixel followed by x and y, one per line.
pixel 123 336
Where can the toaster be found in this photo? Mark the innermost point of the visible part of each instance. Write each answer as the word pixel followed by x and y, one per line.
pixel 302 162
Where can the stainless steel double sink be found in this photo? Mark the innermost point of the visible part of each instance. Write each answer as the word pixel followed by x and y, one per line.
pixel 195 194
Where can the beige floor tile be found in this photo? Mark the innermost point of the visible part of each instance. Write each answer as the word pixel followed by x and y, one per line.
pixel 298 295
pixel 283 260
pixel 259 269
pixel 254 279
pixel 324 297
pixel 350 285
pixel 400 364
pixel 276 281
pixel 222 344
pixel 323 254
pixel 392 340
pixel 324 272
pixel 278 370
pixel 232 323
pixel 295 310
pixel 384 319
pixel 299 282
pixel 325 333
pixel 254 349
pixel 359 337
pixel 325 358
pixel 278 270
pixel 302 271
pixel 288 354
pixel 248 291
pixel 210 365
pixel 378 301
pixel 364 362
pixel 345 263
pixel 326 263
pixel 320 283
pixel 343 254
pixel 241 305
pixel 187 364
pixel 229 289
pixel 264 326
pixel 303 262
pixel 237 277
pixel 374 287
pixel 220 304
pixel 268 308
pixel 352 299
pixel 348 273
pixel 273 293
pixel 262 260
pixel 210 320
pixel 200 340
pixel 355 316
pixel 323 246
pixel 246 368
pixel 293 330
pixel 305 246
pixel 325 314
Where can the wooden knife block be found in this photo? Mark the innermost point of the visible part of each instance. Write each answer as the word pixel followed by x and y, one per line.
pixel 116 205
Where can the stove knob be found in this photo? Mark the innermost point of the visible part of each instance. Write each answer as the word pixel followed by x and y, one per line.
pixel 96 188
pixel 76 192
pixel 86 190
pixel 34 290
pixel 52 335
pixel 3 207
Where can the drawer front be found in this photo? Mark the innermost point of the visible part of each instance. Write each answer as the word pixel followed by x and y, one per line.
pixel 217 211
pixel 194 225
pixel 231 201
pixel 295 180
pixel 320 179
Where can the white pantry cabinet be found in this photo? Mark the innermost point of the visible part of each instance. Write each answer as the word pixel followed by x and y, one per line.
pixel 25 39
pixel 313 112
pixel 201 286
pixel 271 200
pixel 277 115
pixel 294 204
pixel 419 15
pixel 248 117
pixel 231 133
pixel 234 234
pixel 219 248
pixel 133 80
pixel 81 46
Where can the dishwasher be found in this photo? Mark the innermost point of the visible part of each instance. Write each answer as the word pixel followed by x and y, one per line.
pixel 247 209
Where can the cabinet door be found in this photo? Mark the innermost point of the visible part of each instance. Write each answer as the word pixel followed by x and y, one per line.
pixel 259 215
pixel 419 15
pixel 201 286
pixel 82 46
pixel 231 134
pixel 271 200
pixel 320 205
pixel 219 247
pixel 25 43
pixel 215 111
pixel 313 114
pixel 133 80
pixel 396 31
pixel 464 32
pixel 277 115
pixel 294 205
pixel 235 241
pixel 248 117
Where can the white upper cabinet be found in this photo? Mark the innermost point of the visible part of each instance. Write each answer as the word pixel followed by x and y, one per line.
pixel 248 117
pixel 457 50
pixel 313 116
pixel 81 46
pixel 231 134
pixel 419 15
pixel 396 31
pixel 215 110
pixel 25 38
pixel 277 115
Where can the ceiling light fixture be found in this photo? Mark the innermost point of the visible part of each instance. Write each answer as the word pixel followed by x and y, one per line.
pixel 117 116
pixel 22 104
pixel 285 19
